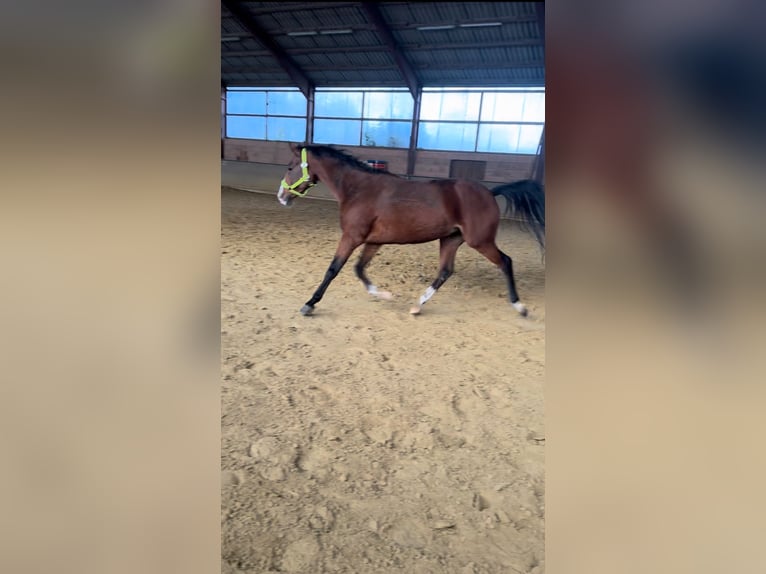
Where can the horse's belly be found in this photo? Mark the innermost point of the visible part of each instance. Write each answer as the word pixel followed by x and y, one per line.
pixel 408 230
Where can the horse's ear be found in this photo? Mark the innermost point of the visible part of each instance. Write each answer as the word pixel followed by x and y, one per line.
pixel 295 148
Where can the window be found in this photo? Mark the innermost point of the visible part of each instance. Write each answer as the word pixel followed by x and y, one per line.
pixel 341 132
pixel 493 120
pixel 338 104
pixel 388 105
pixel 497 121
pixel 386 134
pixel 380 118
pixel 274 114
pixel 499 138
pixel 450 106
pixel 447 136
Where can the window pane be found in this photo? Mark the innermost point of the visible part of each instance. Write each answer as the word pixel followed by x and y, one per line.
pixel 287 104
pixel 457 137
pixel 252 127
pixel 338 104
pixel 509 138
pixel 341 132
pixel 534 108
pixel 246 102
pixel 502 107
pixel 450 106
pixel 386 134
pixel 286 129
pixel 388 106
pixel 529 139
pixel 503 138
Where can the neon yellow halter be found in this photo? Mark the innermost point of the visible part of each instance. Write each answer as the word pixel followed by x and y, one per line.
pixel 304 177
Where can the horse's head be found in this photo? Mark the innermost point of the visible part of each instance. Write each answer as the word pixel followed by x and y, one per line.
pixel 298 178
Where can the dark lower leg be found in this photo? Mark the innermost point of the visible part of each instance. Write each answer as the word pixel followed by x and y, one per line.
pixel 332 271
pixel 367 254
pixel 491 252
pixel 448 247
pixel 507 267
pixel 444 274
pixel 345 248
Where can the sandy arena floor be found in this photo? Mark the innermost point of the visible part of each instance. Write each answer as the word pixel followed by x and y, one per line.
pixel 363 439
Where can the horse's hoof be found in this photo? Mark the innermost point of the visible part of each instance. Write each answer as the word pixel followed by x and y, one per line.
pixel 385 295
pixel 520 307
pixel 307 310
pixel 415 310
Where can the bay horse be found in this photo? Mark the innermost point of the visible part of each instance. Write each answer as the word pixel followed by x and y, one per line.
pixel 378 208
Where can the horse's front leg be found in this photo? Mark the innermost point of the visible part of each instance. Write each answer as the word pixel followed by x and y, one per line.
pixel 345 249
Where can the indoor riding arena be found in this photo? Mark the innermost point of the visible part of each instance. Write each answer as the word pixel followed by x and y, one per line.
pixel 363 438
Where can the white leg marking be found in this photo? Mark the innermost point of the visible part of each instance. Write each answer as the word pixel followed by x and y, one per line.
pixel 427 295
pixel 520 307
pixel 372 290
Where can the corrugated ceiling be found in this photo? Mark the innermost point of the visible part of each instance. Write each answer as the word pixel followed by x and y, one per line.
pixel 342 44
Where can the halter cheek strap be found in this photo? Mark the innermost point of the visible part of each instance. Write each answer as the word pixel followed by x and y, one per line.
pixel 305 176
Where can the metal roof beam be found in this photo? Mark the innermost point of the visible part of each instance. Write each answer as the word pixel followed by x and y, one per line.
pixel 408 73
pixel 381 48
pixel 375 67
pixel 456 65
pixel 469 21
pixel 337 68
pixel 290 7
pixel 468 84
pixel 285 30
pixel 285 61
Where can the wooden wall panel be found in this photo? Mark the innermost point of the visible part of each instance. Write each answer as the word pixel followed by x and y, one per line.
pixel 501 168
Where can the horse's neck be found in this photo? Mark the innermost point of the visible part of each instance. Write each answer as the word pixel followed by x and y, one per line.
pixel 336 177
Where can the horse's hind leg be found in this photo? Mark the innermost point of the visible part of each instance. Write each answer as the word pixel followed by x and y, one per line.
pixel 368 252
pixel 448 247
pixel 491 252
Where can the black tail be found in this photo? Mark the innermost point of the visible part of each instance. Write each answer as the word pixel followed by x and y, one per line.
pixel 525 200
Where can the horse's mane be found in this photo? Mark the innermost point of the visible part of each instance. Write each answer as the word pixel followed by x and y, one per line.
pixel 342 157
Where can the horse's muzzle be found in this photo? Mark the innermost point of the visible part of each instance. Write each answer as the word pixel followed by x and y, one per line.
pixel 284 197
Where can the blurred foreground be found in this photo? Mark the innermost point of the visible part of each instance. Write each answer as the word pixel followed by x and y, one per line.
pixel 655 288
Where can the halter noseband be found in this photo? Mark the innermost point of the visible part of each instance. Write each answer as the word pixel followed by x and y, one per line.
pixel 305 176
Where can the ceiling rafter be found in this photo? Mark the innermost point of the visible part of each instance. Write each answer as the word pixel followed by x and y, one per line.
pixel 500 19
pixel 288 8
pixel 381 48
pixel 358 27
pixel 408 73
pixel 457 65
pixel 295 72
